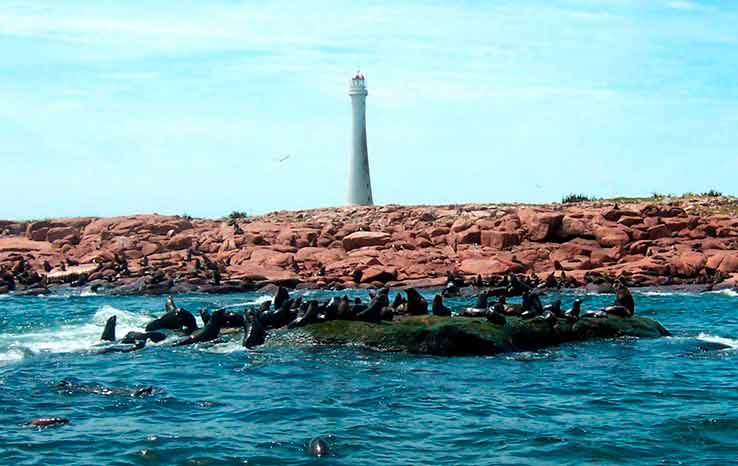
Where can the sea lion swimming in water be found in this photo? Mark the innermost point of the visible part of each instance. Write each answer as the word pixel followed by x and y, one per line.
pixel 438 308
pixel 318 447
pixel 207 333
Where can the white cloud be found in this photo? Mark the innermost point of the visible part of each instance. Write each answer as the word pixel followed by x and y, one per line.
pixel 685 5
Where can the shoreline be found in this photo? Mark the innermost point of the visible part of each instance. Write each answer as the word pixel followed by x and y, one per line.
pixel 656 242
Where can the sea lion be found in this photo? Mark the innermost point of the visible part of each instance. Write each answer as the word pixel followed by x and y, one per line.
pixel 329 311
pixel 549 317
pixel 131 342
pixel 232 320
pixel 318 447
pixel 532 302
pixel 207 333
pixel 204 316
pixel 109 331
pixel 175 318
pixel 254 333
pixel 572 315
pixel 169 306
pixel 399 301
pixel 624 304
pixel 373 314
pixel 554 307
pixel 344 311
pixel 438 308
pixel 309 316
pixel 416 304
pixel 123 348
pixel 387 313
pixel 495 316
pixel 48 422
pixel 280 297
pixel 71 386
pixel 482 301
pixel 282 316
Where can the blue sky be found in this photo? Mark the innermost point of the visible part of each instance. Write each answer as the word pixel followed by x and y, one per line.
pixel 113 107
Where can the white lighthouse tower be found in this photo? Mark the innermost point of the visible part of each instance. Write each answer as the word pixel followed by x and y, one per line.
pixel 360 185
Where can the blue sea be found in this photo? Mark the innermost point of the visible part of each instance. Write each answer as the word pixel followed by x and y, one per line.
pixel 627 401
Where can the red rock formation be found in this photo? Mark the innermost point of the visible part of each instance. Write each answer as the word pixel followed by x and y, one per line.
pixel 649 244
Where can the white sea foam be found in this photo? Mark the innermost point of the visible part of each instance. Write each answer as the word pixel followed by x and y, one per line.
pixel 259 300
pixel 11 355
pixel 731 293
pixel 727 342
pixel 69 338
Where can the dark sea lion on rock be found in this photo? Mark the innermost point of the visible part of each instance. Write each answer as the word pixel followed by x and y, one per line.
pixel 388 313
pixel 554 307
pixel 254 333
pixel 175 318
pixel 205 316
pixel 532 302
pixel 495 316
pixel 169 306
pixel 344 311
pixel 416 304
pixel 399 301
pixel 280 297
pixel 281 316
pixel 624 305
pixel 309 316
pixel 207 333
pixel 373 313
pixel 232 320
pixel 438 308
pixel 329 311
pixel 572 315
pixel 482 301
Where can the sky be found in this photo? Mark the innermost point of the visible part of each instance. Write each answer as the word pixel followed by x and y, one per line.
pixel 191 107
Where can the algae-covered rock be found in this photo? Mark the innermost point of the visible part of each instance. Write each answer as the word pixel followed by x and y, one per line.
pixel 451 336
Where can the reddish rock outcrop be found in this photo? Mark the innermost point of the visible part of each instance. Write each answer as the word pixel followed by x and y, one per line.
pixel 672 242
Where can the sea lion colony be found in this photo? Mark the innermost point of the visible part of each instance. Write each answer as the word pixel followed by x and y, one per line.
pixel 284 311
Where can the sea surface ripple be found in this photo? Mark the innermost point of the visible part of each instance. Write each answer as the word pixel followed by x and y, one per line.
pixel 623 401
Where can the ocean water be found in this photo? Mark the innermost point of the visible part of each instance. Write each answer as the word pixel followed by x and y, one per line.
pixel 622 401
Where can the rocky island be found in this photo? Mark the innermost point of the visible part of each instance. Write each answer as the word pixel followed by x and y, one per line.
pixel 465 336
pixel 642 242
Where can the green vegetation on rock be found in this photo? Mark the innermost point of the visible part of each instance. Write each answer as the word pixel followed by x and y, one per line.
pixel 452 336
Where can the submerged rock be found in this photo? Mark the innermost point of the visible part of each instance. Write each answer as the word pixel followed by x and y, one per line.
pixel 459 336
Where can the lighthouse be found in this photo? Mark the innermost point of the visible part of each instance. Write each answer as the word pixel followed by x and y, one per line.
pixel 360 185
